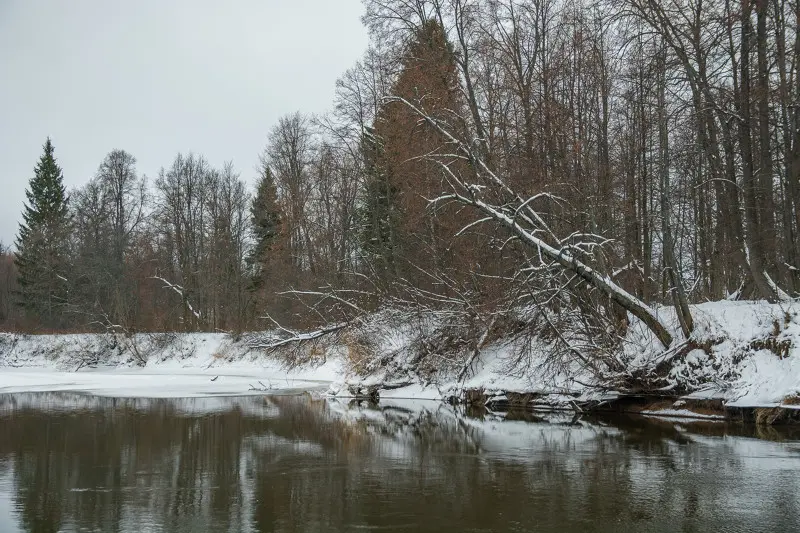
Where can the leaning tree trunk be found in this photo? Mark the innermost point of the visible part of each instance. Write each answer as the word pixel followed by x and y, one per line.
pixel 517 209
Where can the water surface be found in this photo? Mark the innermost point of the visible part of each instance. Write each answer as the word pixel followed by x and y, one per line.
pixel 71 463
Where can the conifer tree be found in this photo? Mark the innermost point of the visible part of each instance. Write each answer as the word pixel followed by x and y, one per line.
pixel 42 243
pixel 266 221
pixel 379 215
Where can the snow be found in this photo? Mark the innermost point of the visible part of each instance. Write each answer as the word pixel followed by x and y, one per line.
pixel 414 391
pixel 765 380
pixel 176 383
pixel 680 413
pixel 711 393
pixel 194 365
pixel 734 371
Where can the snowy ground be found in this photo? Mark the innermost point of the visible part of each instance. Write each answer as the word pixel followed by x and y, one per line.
pixel 160 382
pixel 197 365
pixel 737 369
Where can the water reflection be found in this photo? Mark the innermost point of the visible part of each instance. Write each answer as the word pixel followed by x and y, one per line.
pixel 79 463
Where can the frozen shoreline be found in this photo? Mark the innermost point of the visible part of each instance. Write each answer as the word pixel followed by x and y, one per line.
pixel 195 365
pixel 152 383
pixel 737 369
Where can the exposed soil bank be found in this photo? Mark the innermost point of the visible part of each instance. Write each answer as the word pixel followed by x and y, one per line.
pixel 710 410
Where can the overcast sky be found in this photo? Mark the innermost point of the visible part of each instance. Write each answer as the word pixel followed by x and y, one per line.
pixel 158 77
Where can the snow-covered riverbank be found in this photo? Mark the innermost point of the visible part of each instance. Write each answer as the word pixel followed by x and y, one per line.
pixel 187 365
pixel 749 357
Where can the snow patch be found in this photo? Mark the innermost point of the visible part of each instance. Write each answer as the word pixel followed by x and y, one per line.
pixel 680 413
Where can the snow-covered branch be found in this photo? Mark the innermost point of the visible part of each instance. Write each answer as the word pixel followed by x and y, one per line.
pixel 180 291
pixel 529 226
pixel 295 337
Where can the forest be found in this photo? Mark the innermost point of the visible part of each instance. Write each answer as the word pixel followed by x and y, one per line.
pixel 544 168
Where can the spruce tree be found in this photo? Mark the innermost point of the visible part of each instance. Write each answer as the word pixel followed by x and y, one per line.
pixel 379 212
pixel 266 221
pixel 42 243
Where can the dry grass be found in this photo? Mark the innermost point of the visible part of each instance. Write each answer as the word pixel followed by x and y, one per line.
pixel 316 352
pixel 793 399
pixel 778 347
pixel 359 352
pixel 659 405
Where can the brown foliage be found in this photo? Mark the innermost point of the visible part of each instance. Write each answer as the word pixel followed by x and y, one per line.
pixel 428 238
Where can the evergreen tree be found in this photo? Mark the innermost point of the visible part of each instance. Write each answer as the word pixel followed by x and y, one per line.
pixel 42 243
pixel 379 212
pixel 266 221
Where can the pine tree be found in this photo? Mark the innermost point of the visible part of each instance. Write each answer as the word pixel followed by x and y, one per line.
pixel 266 223
pixel 42 243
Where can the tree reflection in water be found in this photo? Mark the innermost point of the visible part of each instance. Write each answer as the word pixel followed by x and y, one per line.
pixel 79 463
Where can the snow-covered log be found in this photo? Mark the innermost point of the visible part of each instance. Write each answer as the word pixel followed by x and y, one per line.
pixel 294 338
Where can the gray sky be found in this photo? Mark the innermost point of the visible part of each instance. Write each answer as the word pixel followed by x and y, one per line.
pixel 158 77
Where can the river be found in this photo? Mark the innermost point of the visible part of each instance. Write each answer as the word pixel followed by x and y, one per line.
pixel 79 463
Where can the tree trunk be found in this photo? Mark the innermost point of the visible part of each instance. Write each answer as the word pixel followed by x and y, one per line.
pixel 677 290
pixel 751 203
pixel 518 208
pixel 766 200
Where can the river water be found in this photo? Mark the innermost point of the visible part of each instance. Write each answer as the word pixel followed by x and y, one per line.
pixel 72 463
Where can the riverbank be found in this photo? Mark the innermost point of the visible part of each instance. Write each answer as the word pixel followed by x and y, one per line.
pixel 741 363
pixel 743 357
pixel 160 366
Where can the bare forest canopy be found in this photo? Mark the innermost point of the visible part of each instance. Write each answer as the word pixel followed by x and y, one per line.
pixel 542 165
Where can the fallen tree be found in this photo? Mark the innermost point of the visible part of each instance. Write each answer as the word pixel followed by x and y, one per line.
pixel 518 215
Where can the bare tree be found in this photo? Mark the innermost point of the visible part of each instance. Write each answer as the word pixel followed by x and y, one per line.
pixel 518 215
pixel 289 154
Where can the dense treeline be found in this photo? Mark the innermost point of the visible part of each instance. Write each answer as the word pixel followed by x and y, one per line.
pixel 482 155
